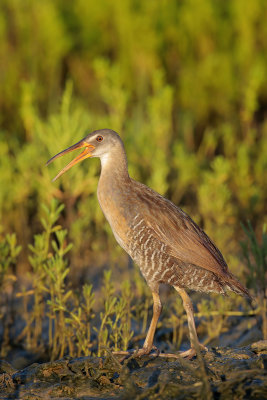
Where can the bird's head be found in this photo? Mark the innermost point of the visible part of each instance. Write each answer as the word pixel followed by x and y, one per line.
pixel 97 144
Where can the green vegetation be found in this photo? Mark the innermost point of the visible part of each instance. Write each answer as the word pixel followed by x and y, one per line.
pixel 255 255
pixel 57 318
pixel 184 83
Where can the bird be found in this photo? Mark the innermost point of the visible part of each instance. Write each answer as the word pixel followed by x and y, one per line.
pixel 167 245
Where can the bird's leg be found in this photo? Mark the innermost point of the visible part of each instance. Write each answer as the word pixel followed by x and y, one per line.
pixel 188 306
pixel 157 307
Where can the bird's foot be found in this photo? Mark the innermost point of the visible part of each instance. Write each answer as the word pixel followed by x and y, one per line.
pixel 137 353
pixel 189 354
pixel 146 351
pixel 192 352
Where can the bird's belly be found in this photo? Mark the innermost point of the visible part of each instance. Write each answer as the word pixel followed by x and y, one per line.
pixel 156 267
pixel 152 257
pixel 146 251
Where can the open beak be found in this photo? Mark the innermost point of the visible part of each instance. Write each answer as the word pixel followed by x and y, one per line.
pixel 87 152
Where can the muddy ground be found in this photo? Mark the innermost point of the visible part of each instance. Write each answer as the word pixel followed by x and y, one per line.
pixel 221 373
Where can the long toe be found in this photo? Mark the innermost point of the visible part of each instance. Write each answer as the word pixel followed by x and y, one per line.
pixel 146 350
pixel 192 352
pixel 137 353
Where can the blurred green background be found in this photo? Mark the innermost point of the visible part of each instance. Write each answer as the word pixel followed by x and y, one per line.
pixel 183 82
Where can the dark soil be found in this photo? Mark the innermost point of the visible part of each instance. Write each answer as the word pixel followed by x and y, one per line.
pixel 221 373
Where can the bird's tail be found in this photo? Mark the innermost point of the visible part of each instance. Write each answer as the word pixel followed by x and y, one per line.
pixel 235 286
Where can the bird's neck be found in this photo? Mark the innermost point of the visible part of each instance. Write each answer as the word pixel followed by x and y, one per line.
pixel 114 170
pixel 113 190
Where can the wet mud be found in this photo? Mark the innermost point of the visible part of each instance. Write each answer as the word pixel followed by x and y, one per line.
pixel 220 373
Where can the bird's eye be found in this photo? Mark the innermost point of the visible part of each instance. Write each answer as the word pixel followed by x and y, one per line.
pixel 99 138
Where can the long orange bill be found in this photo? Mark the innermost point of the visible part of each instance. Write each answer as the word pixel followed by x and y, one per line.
pixel 85 154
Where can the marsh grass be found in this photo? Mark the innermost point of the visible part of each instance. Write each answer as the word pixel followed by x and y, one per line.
pixel 255 255
pixel 55 316
pixel 115 326
pixel 9 251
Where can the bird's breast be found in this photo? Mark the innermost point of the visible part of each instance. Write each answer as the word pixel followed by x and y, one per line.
pixel 116 211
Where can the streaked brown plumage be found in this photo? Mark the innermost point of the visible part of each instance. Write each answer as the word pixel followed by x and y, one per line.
pixel 163 240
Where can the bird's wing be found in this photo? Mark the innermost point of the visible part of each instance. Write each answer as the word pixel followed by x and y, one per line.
pixel 186 241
